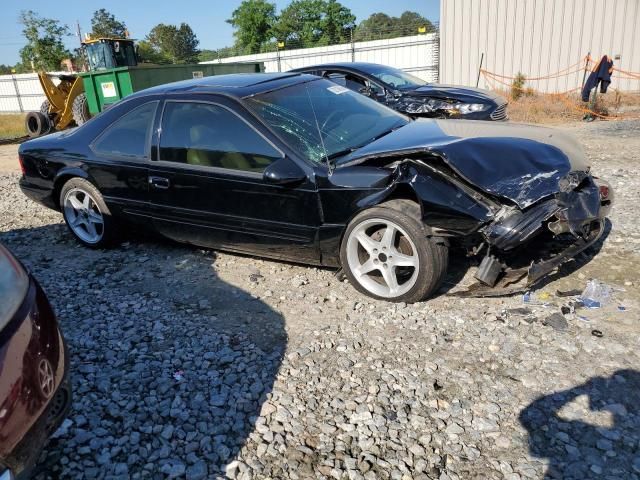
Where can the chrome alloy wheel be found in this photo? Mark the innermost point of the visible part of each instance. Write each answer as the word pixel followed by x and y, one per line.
pixel 382 258
pixel 83 215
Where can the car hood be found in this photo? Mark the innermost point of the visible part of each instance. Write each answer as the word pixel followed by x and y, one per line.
pixel 456 92
pixel 523 163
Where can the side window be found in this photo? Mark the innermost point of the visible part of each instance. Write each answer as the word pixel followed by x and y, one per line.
pixel 335 77
pixel 355 83
pixel 211 136
pixel 128 136
pixel 376 90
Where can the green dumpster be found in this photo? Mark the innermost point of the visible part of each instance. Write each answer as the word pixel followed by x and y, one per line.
pixel 105 87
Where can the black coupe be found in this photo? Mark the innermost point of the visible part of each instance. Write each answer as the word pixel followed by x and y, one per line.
pixel 411 95
pixel 295 167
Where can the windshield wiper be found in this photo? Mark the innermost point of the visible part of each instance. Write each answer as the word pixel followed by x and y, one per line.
pixel 346 151
pixel 380 135
pixel 341 153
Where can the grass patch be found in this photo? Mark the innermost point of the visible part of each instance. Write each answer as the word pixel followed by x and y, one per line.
pixel 533 107
pixel 12 125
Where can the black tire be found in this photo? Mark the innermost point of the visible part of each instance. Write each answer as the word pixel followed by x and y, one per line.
pixel 80 109
pixel 110 231
pixel 432 253
pixel 36 124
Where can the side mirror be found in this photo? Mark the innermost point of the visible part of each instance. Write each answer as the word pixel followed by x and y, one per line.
pixel 284 172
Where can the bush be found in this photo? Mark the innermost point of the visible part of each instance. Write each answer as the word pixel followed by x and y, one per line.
pixel 517 86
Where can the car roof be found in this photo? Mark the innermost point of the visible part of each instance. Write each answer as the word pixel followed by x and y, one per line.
pixel 235 84
pixel 364 66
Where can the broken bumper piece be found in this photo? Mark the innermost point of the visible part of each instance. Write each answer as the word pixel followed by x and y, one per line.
pixel 522 279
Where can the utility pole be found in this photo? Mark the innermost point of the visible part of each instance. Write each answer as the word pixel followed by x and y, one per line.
pixel 82 53
pixel 278 47
pixel 353 45
pixel 78 32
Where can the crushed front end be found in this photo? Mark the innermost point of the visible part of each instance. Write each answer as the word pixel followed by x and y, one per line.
pixel 518 198
pixel 523 246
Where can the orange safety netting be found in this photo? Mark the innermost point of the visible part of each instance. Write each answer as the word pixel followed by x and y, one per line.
pixel 583 65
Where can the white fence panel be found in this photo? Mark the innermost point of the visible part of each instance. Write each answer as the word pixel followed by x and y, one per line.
pixel 20 92
pixel 417 54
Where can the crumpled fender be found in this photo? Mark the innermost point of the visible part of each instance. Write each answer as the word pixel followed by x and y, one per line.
pixel 522 163
pixel 448 207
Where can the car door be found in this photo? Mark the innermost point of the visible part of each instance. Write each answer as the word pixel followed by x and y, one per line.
pixel 208 185
pixel 120 156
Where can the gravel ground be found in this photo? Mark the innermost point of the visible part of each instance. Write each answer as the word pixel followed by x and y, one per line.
pixel 9 159
pixel 199 364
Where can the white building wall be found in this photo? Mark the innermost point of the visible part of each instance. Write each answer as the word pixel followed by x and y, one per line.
pixel 417 54
pixel 537 38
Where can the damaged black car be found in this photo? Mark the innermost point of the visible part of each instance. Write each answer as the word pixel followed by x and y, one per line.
pixel 295 167
pixel 411 95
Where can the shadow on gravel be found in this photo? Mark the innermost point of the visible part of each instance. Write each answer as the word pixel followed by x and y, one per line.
pixel 578 449
pixel 170 365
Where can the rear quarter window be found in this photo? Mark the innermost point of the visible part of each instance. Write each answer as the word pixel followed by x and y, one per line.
pixel 129 135
pixel 13 286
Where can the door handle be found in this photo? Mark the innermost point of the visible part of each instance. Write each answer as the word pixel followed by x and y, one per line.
pixel 159 182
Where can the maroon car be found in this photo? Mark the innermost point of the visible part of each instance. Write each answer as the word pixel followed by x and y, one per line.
pixel 35 394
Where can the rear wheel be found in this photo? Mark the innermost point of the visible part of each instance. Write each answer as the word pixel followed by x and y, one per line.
pixel 387 254
pixel 80 109
pixel 87 215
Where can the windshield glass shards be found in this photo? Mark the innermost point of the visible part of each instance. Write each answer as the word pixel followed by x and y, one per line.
pixel 322 120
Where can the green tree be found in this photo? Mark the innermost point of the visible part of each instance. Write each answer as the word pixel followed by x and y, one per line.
pixel 381 25
pixel 104 24
pixel 5 69
pixel 409 23
pixel 44 49
pixel 148 54
pixel 177 44
pixel 79 59
pixel 253 22
pixel 307 23
pixel 337 23
pixel 186 45
pixel 300 23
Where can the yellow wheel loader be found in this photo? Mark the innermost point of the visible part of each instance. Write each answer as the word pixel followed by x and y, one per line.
pixel 57 111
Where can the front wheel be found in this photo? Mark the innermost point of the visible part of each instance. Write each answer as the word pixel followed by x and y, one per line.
pixel 80 109
pixel 387 254
pixel 86 214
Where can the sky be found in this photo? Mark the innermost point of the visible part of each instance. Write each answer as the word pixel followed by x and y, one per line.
pixel 206 18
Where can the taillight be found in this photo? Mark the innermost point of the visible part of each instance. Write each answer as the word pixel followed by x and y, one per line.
pixel 21 162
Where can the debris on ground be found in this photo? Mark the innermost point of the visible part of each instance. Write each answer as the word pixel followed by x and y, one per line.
pixel 596 294
pixel 556 321
pixel 568 293
pixel 536 298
